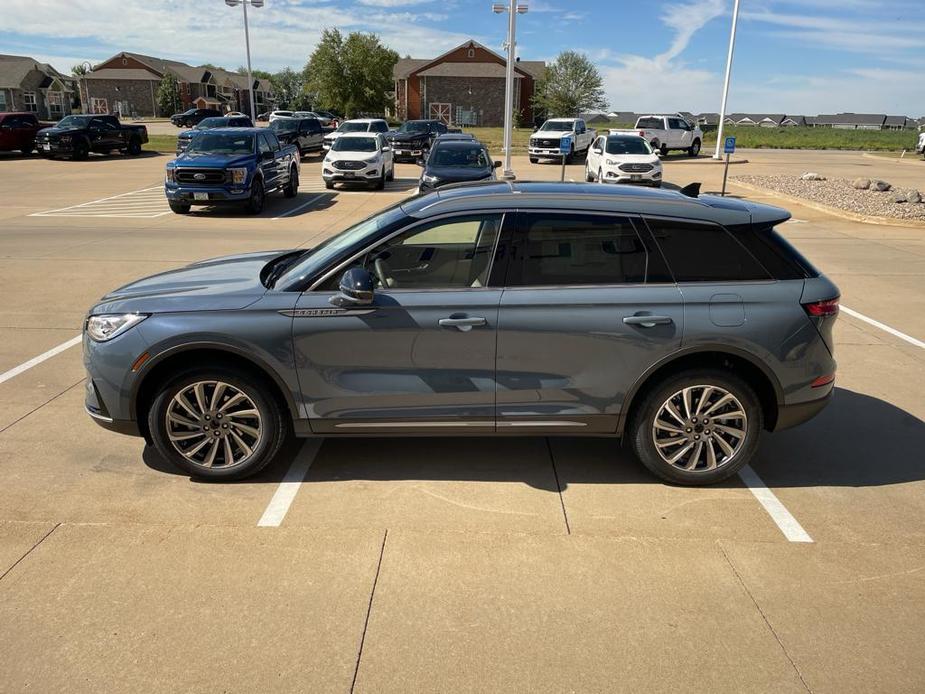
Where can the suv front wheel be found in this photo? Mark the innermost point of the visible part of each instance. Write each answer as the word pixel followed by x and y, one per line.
pixel 697 427
pixel 217 424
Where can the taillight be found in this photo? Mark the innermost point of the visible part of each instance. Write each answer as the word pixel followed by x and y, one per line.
pixel 642 133
pixel 822 309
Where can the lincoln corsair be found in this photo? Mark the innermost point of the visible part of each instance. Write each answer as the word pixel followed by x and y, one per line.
pixel 685 325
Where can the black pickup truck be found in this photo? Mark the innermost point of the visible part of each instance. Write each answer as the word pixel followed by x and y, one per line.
pixel 77 136
pixel 413 139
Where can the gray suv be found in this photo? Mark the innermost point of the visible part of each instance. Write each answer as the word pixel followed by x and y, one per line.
pixel 684 324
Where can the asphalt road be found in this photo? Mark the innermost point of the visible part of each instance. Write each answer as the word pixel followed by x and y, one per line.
pixel 446 564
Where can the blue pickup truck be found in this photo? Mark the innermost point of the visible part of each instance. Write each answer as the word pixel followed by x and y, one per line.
pixel 232 165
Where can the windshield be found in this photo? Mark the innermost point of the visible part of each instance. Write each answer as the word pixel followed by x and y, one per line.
pixel 566 125
pixel 284 125
pixel 460 157
pixel 318 258
pixel 413 126
pixel 650 123
pixel 353 128
pixel 355 144
pixel 214 122
pixel 222 143
pixel 627 145
pixel 74 122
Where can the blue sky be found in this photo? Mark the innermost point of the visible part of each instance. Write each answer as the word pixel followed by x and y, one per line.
pixel 792 56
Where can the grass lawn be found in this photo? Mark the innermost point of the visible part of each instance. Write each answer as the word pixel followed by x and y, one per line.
pixel 161 143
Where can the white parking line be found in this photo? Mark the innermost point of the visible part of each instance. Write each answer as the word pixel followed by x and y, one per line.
pixel 285 493
pixel 35 361
pixel 788 525
pixel 300 207
pixel 877 324
pixel 146 203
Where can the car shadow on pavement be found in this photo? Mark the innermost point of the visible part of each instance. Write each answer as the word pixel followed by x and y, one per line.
pixel 857 441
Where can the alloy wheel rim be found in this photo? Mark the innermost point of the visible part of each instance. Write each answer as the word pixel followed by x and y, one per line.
pixel 700 428
pixel 213 424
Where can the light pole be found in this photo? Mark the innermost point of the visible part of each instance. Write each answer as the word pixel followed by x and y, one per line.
pixel 247 44
pixel 88 68
pixel 722 112
pixel 513 9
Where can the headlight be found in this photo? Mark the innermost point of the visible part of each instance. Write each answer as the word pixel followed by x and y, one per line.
pixel 611 162
pixel 170 176
pixel 106 327
pixel 430 179
pixel 238 176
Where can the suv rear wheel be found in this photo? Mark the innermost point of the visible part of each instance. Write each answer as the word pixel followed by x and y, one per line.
pixel 217 424
pixel 697 427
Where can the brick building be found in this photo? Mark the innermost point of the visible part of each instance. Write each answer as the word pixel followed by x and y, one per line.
pixel 464 86
pixel 127 83
pixel 28 85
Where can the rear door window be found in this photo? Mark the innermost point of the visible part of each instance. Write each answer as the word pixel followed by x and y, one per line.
pixel 700 252
pixel 576 249
pixel 650 123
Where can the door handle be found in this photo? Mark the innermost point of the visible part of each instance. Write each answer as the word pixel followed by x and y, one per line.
pixel 647 321
pixel 462 324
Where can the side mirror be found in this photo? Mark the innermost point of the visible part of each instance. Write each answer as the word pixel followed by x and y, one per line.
pixel 597 150
pixel 355 289
pixel 386 149
pixel 496 165
pixel 266 156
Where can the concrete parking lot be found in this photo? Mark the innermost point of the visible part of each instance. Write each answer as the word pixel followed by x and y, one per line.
pixel 450 565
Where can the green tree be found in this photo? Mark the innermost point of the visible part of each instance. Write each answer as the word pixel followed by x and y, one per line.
pixel 352 74
pixel 570 86
pixel 168 96
pixel 79 70
pixel 289 89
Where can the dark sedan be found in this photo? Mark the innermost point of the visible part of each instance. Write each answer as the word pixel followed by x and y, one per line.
pixel 193 117
pixel 456 161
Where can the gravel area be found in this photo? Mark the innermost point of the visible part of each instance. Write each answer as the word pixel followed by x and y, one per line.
pixel 839 193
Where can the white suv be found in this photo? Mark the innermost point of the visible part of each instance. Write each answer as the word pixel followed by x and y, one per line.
pixel 623 159
pixel 357 125
pixel 359 158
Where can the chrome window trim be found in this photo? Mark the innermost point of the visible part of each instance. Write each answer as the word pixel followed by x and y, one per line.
pixel 448 215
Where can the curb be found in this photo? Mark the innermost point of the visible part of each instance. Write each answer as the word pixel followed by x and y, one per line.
pixel 913 157
pixel 834 211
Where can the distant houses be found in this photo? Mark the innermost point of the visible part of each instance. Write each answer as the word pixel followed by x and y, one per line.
pixel 28 85
pixel 843 121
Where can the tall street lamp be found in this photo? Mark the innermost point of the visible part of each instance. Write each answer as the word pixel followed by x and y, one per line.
pixel 722 111
pixel 513 9
pixel 247 43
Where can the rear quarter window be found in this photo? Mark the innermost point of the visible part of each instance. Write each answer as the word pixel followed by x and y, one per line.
pixel 699 252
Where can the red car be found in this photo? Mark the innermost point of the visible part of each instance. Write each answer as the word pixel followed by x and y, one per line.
pixel 17 131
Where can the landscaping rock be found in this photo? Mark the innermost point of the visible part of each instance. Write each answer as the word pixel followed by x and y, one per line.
pixel 899 197
pixel 914 197
pixel 861 183
pixel 812 176
pixel 881 186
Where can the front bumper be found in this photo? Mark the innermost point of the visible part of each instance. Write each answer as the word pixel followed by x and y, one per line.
pixel 110 380
pixel 206 195
pixel 54 147
pixel 644 178
pixel 370 173
pixel 545 152
pixel 406 151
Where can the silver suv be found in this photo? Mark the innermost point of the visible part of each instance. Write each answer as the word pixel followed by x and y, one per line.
pixel 684 324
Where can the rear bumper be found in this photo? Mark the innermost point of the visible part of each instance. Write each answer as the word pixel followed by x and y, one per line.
pixel 791 415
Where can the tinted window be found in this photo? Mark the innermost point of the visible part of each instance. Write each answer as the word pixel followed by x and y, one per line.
pixel 217 142
pixel 699 252
pixel 263 144
pixel 380 127
pixel 460 157
pixel 627 145
pixel 650 123
pixel 272 141
pixel 567 249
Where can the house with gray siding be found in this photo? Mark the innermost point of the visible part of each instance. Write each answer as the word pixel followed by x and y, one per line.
pixel 28 85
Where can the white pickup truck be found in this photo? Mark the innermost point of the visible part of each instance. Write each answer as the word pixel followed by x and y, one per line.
pixel 666 133
pixel 546 140
pixel 920 147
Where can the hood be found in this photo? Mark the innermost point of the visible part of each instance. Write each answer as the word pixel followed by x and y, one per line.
pixel 395 136
pixel 207 160
pixel 330 137
pixel 55 131
pixel 457 174
pixel 349 156
pixel 220 284
pixel 633 158
pixel 550 134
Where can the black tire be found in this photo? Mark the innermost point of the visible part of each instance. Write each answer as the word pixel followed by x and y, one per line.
pixel 534 160
pixel 329 185
pixel 292 187
pixel 273 425
pixel 178 207
pixel 81 150
pixel 641 427
pixel 694 149
pixel 28 149
pixel 134 146
pixel 380 182
pixel 600 175
pixel 391 176
pixel 663 150
pixel 589 177
pixel 258 198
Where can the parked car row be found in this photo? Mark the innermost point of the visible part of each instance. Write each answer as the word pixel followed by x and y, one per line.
pixel 73 136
